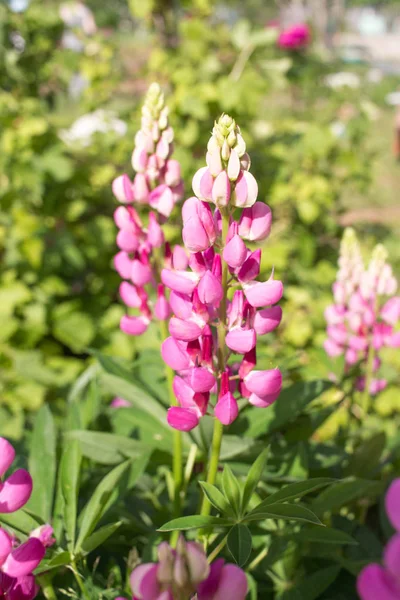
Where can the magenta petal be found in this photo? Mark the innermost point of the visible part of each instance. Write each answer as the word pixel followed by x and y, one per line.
pixel 15 491
pixel 183 419
pixel 241 340
pixel 210 289
pixel 391 557
pixel 260 294
pixel 186 331
pixel 24 559
pixel 232 584
pixel 267 320
pixel 24 588
pixel 206 589
pixel 174 354
pixel 374 583
pixel 200 379
pixel 250 268
pixel 392 503
pixel 226 410
pixel 264 401
pixel 7 455
pixel 134 325
pixel 144 582
pixel 264 383
pixel 5 545
pixel 179 281
pixel 183 393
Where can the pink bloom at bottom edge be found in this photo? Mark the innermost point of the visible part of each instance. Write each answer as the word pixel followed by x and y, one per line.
pixel 224 582
pixel 21 588
pixel 375 583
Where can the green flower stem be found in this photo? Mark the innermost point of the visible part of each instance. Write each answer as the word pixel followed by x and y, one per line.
pixel 177 460
pixel 79 581
pixel 368 377
pixel 217 549
pixel 46 587
pixel 218 427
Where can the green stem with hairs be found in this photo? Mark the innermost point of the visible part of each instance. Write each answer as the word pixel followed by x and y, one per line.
pixel 221 332
pixel 46 587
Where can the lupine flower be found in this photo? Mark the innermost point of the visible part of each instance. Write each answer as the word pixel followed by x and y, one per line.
pixel 16 490
pixel 383 581
pixel 198 294
pixel 157 184
pixel 365 312
pixel 295 37
pixel 182 572
pixel 17 561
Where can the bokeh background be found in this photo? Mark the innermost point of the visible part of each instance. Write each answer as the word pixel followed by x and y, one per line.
pixel 319 122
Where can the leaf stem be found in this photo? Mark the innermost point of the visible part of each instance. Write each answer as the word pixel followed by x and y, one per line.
pixel 46 587
pixel 78 579
pixel 217 549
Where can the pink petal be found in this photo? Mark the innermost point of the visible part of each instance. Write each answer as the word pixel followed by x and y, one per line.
pixel 129 295
pixel 179 281
pixel 221 191
pixel 24 559
pixel 210 289
pixel 241 340
pixel 174 354
pixel 7 455
pixel 140 273
pixel 226 410
pixel 15 491
pixel 180 259
pixel 260 294
pixel 184 330
pixel 374 583
pixel 144 582
pixel 183 419
pixel 251 267
pixel 200 379
pixel 264 383
pixel 392 503
pixel 181 305
pixel 123 264
pixel 202 184
pixel 267 320
pixel 255 222
pixel 264 401
pixel 122 189
pixel 391 557
pixel 233 165
pixel 391 311
pixel 127 241
pixel 5 545
pixel 232 584
pixel 235 252
pixel 134 325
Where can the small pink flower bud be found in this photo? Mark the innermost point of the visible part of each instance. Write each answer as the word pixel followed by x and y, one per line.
pixel 255 222
pixel 241 340
pixel 129 295
pixel 172 175
pixel 139 159
pixel 163 148
pixel 226 410
pixel 265 293
pixel 221 191
pixel 127 241
pixel 245 191
pixel 183 419
pixel 155 235
pixel 184 330
pixel 245 161
pixel 179 281
pixel 134 325
pixel 122 189
pixel 202 184
pixel 233 166
pixel 214 162
pixel 140 188
pixel 251 267
pixel 267 320
pixel 123 264
pixel 174 354
pixel 199 231
pixel 44 533
pixel 235 252
pixel 210 289
pixel 161 309
pixel 120 403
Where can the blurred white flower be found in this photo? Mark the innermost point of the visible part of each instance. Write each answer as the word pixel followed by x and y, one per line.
pixel 99 121
pixel 338 129
pixel 393 99
pixel 375 75
pixel 343 79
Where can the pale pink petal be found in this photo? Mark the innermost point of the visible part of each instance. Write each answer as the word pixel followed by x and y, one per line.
pixel 15 491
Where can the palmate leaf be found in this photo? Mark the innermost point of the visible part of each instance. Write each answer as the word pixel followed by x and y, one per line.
pixel 195 522
pixel 240 543
pixel 216 498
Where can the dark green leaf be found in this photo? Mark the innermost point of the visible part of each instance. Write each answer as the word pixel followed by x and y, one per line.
pixel 107 448
pixel 253 478
pixel 105 494
pixel 20 521
pixel 344 492
pixel 312 586
pixel 366 457
pixel 99 537
pixel 195 522
pixel 216 498
pixel 295 512
pixel 240 543
pixel 323 535
pixel 42 463
pixel 60 560
pixel 231 489
pixel 69 474
pixel 295 490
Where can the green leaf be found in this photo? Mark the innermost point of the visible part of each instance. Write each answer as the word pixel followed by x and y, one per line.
pixel 107 448
pixel 125 420
pixel 105 494
pixel 69 473
pixel 216 498
pixel 292 401
pixel 323 535
pixel 99 537
pixel 313 585
pixel 231 489
pixel 295 490
pixel 20 521
pixel 344 492
pixel 295 512
pixel 42 464
pixel 75 329
pixel 367 456
pixel 254 477
pixel 240 543
pixel 59 560
pixel 195 522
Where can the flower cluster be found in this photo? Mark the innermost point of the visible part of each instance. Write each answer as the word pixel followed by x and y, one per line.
pixel 158 184
pixel 358 321
pixel 295 37
pixel 383 582
pixel 17 561
pixel 215 303
pixel 183 572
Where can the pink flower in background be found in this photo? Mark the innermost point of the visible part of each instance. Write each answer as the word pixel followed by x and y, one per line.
pixel 142 248
pixel 199 293
pixel 365 312
pixel 295 37
pixel 382 582
pixel 182 572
